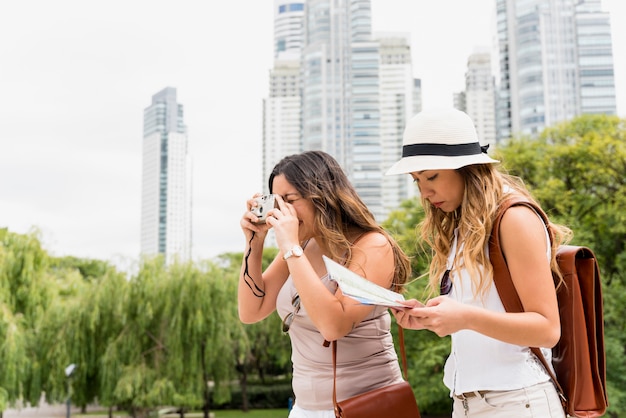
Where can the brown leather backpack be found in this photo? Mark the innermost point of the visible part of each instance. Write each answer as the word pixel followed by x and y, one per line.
pixel 579 358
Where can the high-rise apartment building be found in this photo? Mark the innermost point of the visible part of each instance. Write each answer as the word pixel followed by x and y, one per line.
pixel 554 63
pixel 400 98
pixel 288 15
pixel 281 110
pixel 595 59
pixel 166 181
pixel 353 95
pixel 479 97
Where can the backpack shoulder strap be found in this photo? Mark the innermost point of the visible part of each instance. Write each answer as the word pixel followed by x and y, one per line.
pixel 502 276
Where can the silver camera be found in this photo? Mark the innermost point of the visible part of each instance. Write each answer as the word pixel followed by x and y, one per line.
pixel 264 204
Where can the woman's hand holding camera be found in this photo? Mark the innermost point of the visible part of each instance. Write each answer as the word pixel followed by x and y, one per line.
pixel 271 211
pixel 254 219
pixel 284 220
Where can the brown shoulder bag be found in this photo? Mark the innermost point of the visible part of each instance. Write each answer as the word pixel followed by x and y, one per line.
pixel 397 400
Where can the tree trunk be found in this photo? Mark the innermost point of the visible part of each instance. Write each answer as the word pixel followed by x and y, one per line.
pixel 205 377
pixel 244 389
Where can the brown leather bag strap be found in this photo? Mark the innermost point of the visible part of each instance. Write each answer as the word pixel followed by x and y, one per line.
pixel 405 371
pixel 335 405
pixel 502 276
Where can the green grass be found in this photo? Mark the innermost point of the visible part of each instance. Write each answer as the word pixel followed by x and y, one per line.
pixel 257 413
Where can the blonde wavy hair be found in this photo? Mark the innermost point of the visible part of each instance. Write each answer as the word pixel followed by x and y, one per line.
pixel 318 177
pixel 485 188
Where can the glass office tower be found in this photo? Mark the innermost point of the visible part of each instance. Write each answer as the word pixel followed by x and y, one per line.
pixel 166 180
pixel 554 63
pixel 351 79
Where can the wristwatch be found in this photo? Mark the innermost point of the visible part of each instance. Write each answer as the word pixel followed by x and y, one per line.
pixel 295 250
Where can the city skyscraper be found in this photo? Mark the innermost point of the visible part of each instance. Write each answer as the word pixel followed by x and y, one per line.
pixel 478 99
pixel 281 110
pixel 400 99
pixel 354 92
pixel 554 63
pixel 166 180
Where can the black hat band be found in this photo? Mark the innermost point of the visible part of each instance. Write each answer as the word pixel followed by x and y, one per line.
pixel 443 150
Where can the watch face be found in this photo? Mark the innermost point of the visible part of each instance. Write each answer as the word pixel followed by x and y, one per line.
pixel 296 250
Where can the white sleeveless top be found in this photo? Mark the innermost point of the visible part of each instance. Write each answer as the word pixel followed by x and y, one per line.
pixel 478 362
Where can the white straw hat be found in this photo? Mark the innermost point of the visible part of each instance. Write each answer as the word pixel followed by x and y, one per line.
pixel 440 139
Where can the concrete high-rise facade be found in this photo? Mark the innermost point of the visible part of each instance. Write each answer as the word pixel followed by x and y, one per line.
pixel 281 110
pixel 554 63
pixel 288 36
pixel 595 59
pixel 400 98
pixel 166 180
pixel 353 95
pixel 480 96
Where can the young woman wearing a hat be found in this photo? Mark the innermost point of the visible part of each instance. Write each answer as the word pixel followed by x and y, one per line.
pixel 490 371
pixel 319 214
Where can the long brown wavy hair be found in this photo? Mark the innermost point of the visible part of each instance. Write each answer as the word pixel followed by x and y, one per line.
pixel 318 177
pixel 485 188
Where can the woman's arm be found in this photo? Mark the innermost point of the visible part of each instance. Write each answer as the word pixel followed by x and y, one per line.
pixel 336 315
pixel 524 244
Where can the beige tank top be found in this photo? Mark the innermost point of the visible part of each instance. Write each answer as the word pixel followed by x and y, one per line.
pixel 366 358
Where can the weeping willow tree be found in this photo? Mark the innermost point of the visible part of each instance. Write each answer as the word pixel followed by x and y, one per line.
pixel 131 358
pixel 13 361
pixel 262 351
pixel 201 314
pixel 174 341
pixel 159 338
pixel 81 320
pixel 26 291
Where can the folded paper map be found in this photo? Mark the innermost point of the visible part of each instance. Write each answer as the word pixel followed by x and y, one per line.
pixel 361 289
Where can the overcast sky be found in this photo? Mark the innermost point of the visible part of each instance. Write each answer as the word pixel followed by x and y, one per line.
pixel 75 76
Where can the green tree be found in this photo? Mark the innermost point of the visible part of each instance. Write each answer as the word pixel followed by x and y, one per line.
pixel 82 319
pixel 129 365
pixel 200 313
pixel 25 293
pixel 56 335
pixel 13 360
pixel 87 267
pixel 175 338
pixel 577 170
